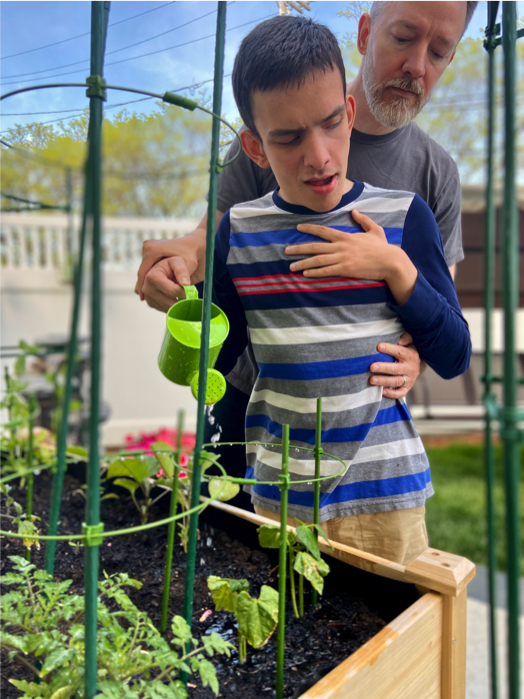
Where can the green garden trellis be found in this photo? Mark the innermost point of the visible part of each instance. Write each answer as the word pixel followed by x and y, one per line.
pixel 508 415
pixel 93 530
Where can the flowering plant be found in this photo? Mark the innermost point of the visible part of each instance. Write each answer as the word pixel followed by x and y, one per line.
pixel 168 436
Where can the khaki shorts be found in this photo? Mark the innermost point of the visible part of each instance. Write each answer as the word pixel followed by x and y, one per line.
pixel 397 535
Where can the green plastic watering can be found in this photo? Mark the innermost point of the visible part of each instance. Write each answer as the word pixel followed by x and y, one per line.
pixel 179 356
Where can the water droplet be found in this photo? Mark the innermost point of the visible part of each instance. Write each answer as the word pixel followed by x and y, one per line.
pixel 215 437
pixel 209 541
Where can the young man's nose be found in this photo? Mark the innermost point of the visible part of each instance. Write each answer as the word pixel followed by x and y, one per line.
pixel 415 63
pixel 316 154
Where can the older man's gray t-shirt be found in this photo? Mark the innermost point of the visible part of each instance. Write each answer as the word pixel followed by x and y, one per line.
pixel 406 159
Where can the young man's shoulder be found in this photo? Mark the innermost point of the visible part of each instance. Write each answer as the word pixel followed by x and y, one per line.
pixel 380 200
pixel 255 207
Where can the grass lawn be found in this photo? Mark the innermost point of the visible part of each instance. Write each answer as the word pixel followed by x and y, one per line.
pixel 456 514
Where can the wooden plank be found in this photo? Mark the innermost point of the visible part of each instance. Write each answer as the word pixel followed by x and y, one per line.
pixel 435 570
pixel 454 623
pixel 403 661
pixel 440 571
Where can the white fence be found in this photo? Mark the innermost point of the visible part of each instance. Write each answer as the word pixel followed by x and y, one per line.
pixel 37 301
pixel 31 241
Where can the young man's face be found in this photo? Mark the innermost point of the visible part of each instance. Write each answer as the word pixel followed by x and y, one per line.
pixel 405 52
pixel 304 137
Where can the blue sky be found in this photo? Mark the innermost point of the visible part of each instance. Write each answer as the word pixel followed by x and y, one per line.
pixel 180 57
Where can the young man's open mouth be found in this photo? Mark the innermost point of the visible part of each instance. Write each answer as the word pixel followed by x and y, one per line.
pixel 322 185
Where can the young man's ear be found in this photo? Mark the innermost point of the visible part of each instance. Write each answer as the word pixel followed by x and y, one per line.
pixel 253 148
pixel 364 30
pixel 351 111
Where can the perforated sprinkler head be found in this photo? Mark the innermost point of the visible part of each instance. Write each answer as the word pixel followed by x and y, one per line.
pixel 215 387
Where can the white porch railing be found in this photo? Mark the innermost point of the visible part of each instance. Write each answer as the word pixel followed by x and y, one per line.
pixel 45 242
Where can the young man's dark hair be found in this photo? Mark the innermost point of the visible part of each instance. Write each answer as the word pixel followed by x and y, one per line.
pixel 260 65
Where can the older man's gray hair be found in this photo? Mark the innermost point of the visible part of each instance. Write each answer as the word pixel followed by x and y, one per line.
pixel 378 7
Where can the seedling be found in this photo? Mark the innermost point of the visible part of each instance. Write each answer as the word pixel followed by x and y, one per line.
pixel 257 618
pixel 26 524
pixel 303 556
pixel 43 629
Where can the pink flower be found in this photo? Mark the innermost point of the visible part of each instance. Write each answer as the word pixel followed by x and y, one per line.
pixel 182 474
pixel 160 472
pixel 184 460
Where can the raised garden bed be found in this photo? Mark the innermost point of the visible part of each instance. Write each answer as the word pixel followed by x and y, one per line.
pixel 398 645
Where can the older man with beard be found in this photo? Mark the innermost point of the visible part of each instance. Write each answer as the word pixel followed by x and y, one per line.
pixel 406 47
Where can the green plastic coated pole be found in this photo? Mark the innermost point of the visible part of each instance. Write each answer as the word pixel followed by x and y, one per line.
pixel 510 286
pixel 489 297
pixel 172 525
pixel 316 502
pixel 30 477
pixel 206 314
pixel 99 20
pixel 58 479
pixel 281 631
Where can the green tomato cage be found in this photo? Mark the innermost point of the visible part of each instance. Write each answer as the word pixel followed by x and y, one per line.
pixel 206 330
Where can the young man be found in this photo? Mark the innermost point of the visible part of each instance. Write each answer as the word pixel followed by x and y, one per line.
pixel 399 42
pixel 315 324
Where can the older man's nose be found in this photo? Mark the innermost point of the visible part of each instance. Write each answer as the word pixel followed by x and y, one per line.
pixel 415 63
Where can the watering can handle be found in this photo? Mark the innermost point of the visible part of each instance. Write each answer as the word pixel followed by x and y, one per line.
pixel 191 292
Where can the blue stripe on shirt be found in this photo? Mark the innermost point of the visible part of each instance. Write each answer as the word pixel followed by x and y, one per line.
pixel 312 299
pixel 290 236
pixel 386 416
pixel 309 371
pixel 386 487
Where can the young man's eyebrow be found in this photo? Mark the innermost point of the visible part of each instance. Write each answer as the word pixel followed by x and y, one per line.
pixel 277 133
pixel 413 27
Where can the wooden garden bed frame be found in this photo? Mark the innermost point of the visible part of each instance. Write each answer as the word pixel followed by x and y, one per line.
pixel 419 655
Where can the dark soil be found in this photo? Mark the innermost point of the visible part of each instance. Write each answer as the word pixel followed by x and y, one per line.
pixel 354 607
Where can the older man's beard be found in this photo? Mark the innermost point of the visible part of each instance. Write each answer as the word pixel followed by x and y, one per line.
pixel 400 111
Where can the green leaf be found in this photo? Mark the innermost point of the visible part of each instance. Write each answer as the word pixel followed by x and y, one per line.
pixel 258 618
pixel 16 386
pixel 128 484
pixel 165 460
pixel 312 569
pixel 322 533
pixel 152 465
pixel 77 451
pixel 63 692
pixel 181 629
pixel 130 468
pixel 20 364
pixel 207 459
pixel 308 539
pixel 27 529
pixel 213 643
pixel 269 536
pixel 225 592
pixel 31 689
pixel 222 490
pixel 208 675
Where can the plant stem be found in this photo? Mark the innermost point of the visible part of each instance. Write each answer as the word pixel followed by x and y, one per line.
pixel 168 670
pixel 301 594
pixel 160 496
pixel 242 648
pixel 292 583
pixel 28 665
